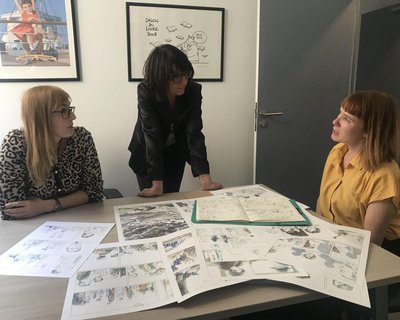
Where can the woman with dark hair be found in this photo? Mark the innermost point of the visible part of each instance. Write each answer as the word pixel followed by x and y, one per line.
pixel 168 132
pixel 360 184
pixel 49 164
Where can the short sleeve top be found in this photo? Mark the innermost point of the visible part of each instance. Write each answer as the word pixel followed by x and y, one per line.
pixel 346 194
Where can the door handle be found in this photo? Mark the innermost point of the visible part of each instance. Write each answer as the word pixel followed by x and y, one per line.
pixel 269 114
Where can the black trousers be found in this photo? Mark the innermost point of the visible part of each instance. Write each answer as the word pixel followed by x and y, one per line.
pixel 174 168
pixel 393 246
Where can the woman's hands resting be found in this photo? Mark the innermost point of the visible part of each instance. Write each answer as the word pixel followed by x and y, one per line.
pixel 157 186
pixel 28 208
pixel 207 184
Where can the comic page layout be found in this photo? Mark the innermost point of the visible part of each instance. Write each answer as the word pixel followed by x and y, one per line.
pixel 148 220
pixel 54 249
pixel 118 278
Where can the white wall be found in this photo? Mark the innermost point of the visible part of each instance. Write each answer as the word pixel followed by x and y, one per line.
pixel 106 101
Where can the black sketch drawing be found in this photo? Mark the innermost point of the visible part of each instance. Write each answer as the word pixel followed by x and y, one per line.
pixel 197 31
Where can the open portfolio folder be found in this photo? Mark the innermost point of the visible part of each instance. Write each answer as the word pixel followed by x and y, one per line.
pixel 250 210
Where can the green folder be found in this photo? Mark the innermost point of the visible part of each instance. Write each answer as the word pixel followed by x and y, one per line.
pixel 305 221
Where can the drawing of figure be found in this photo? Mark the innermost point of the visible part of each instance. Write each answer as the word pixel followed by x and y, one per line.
pixel 118 272
pixel 294 231
pixel 309 255
pixel 83 278
pixel 342 285
pixel 183 277
pixel 181 258
pixel 233 268
pixel 192 46
pixel 312 229
pixel 110 293
pixel 102 253
pixel 130 292
pixel 132 271
pixel 80 299
pixel 347 272
pixel 120 293
pixel 282 267
pixel 30 34
pixel 87 233
pixel 144 287
pixel 98 294
pixel 74 247
pixel 189 47
pixel 153 268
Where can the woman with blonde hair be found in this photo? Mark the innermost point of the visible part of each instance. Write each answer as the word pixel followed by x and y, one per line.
pixel 49 164
pixel 360 184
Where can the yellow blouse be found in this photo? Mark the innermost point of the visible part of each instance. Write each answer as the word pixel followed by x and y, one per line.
pixel 346 194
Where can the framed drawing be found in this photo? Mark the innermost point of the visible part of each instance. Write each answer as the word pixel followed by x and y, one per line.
pixel 197 31
pixel 38 41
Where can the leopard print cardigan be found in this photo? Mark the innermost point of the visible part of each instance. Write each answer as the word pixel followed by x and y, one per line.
pixel 78 169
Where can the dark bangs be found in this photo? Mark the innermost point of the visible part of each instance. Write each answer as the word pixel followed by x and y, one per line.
pixel 181 63
pixel 356 104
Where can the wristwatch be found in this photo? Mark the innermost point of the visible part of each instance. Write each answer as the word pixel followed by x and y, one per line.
pixel 58 205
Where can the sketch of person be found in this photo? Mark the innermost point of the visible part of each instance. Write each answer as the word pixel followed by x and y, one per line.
pixel 193 46
pixel 183 277
pixel 120 293
pixel 282 267
pixel 74 247
pixel 347 272
pixel 309 255
pixel 110 293
pixel 103 253
pixel 83 278
pixel 172 244
pixel 153 268
pixel 118 272
pixel 294 231
pixel 190 48
pixel 312 229
pixel 80 299
pixel 98 294
pixel 87 233
pixel 130 292
pixel 298 251
pixel 132 271
pixel 98 275
pixel 180 259
pixel 143 288
pixel 342 285
pixel 233 268
pixel 309 244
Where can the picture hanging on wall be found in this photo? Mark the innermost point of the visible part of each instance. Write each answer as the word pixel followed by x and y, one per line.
pixel 38 41
pixel 197 31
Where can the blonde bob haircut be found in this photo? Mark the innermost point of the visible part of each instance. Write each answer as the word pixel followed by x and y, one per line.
pixel 36 107
pixel 380 116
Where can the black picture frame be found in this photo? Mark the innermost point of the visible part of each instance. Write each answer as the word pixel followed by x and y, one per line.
pixel 45 51
pixel 197 31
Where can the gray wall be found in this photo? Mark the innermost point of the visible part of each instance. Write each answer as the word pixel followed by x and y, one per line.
pixel 379 51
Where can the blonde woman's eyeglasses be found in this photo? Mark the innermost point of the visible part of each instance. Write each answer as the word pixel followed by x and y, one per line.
pixel 65 111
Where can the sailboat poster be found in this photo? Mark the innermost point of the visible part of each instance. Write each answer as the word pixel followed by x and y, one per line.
pixel 38 41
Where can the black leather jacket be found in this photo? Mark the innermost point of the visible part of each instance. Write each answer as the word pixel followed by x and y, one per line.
pixel 152 129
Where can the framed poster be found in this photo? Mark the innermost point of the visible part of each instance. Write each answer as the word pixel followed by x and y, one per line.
pixel 38 41
pixel 197 31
